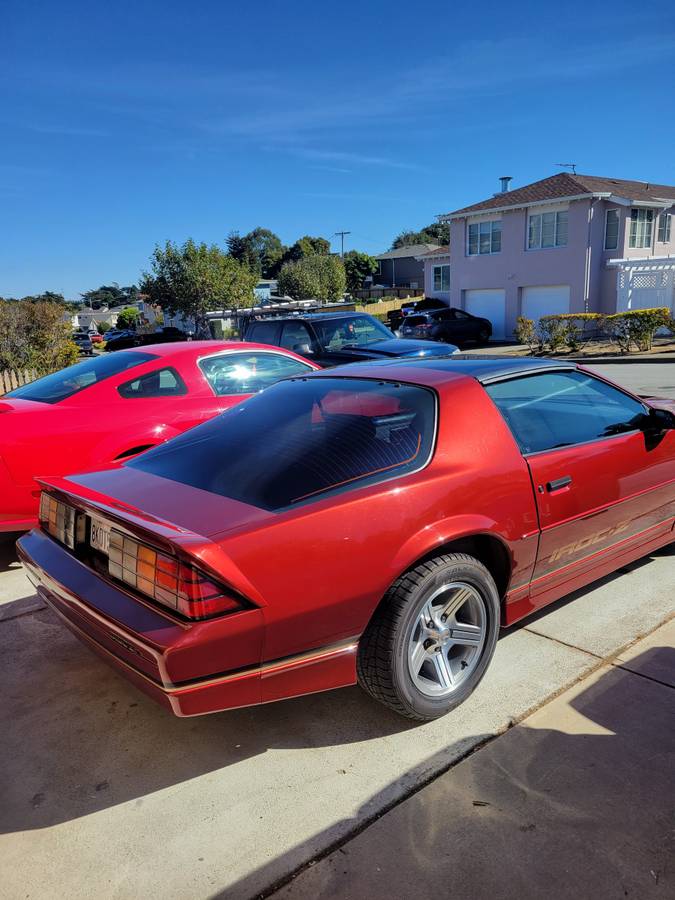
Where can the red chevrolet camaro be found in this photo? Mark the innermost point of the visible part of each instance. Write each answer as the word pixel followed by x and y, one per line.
pixel 377 523
pixel 110 408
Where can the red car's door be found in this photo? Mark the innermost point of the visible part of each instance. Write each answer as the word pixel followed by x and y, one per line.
pixel 603 485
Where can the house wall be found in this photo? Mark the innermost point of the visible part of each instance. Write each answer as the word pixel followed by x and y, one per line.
pixel 429 278
pixel 515 267
pixel 403 271
pixel 606 284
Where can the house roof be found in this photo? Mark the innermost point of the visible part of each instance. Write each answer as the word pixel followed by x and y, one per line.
pixel 564 185
pixel 439 251
pixel 408 251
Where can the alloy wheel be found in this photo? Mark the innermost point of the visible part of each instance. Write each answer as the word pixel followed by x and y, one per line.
pixel 447 639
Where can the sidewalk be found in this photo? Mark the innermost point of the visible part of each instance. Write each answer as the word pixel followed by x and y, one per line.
pixel 577 801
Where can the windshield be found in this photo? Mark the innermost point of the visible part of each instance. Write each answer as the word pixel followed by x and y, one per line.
pixel 352 331
pixel 303 437
pixel 63 384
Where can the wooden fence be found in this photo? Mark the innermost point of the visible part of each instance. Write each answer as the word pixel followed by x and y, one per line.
pixel 10 379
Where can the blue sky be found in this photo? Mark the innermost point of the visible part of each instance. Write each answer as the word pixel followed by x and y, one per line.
pixel 124 124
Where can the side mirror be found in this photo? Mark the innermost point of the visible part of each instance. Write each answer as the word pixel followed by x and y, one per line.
pixel 303 349
pixel 658 420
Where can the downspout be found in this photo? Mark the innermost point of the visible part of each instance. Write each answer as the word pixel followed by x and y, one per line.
pixel 587 267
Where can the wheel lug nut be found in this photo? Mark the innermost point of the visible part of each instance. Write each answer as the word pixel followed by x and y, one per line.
pixel 444 618
pixel 428 643
pixel 437 649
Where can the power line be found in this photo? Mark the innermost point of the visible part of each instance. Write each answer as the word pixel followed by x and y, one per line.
pixel 341 235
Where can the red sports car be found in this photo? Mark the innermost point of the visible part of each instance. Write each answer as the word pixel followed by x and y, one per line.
pixel 110 408
pixel 376 523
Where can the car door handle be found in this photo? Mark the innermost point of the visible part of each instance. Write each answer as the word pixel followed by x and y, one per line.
pixel 558 483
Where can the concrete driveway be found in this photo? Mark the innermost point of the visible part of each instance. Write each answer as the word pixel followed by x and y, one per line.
pixel 105 794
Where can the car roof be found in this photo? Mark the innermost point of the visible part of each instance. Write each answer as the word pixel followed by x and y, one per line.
pixel 438 370
pixel 198 347
pixel 204 348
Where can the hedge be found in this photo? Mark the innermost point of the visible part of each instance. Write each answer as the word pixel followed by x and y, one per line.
pixel 572 330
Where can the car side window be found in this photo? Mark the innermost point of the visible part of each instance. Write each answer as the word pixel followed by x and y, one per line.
pixel 294 335
pixel 559 409
pixel 160 383
pixel 248 373
pixel 263 332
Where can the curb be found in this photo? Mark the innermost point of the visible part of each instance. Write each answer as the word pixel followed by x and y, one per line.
pixel 623 360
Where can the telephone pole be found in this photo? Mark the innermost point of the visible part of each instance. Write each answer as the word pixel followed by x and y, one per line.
pixel 341 235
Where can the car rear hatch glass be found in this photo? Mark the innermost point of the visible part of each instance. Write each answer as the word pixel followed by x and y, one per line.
pixel 302 438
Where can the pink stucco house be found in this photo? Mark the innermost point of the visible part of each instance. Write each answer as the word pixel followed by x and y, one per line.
pixel 568 243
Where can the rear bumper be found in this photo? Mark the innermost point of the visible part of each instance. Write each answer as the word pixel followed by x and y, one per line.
pixel 189 668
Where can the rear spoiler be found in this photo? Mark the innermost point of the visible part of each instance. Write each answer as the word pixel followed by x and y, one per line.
pixel 160 533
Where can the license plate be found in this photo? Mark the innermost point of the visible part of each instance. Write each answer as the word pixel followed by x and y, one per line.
pixel 100 536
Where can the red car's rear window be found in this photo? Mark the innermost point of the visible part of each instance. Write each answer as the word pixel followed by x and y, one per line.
pixel 63 384
pixel 301 438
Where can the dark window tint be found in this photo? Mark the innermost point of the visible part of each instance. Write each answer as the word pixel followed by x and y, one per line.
pixel 63 384
pixel 263 332
pixel 160 383
pixel 248 373
pixel 294 335
pixel 556 409
pixel 301 438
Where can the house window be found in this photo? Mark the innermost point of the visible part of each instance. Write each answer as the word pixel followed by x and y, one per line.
pixel 484 238
pixel 547 230
pixel 664 228
pixel 641 225
pixel 612 229
pixel 441 278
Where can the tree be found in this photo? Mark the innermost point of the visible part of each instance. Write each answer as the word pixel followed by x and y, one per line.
pixel 307 246
pixel 357 267
pixel 436 233
pixel 128 317
pixel 261 250
pixel 110 295
pixel 314 277
pixel 35 334
pixel 102 327
pixel 193 279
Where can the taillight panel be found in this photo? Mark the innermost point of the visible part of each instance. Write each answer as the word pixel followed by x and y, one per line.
pixel 170 581
pixel 61 521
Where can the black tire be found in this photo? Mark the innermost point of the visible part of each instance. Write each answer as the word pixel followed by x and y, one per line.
pixel 484 335
pixel 382 661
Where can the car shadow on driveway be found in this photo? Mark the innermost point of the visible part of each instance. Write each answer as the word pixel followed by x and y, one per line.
pixel 576 801
pixel 8 557
pixel 76 738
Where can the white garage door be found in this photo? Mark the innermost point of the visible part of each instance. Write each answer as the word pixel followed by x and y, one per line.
pixel 545 300
pixel 488 304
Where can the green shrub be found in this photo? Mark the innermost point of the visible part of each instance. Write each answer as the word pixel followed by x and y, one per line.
pixel 637 326
pixel 525 332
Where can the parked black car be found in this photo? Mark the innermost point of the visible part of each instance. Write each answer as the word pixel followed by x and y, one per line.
pixel 396 316
pixel 447 324
pixel 332 339
pixel 122 340
pixel 83 341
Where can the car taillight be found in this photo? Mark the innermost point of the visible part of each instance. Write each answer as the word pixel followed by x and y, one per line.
pixel 60 520
pixel 170 581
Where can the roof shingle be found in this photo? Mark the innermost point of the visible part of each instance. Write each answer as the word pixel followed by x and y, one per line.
pixel 556 187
